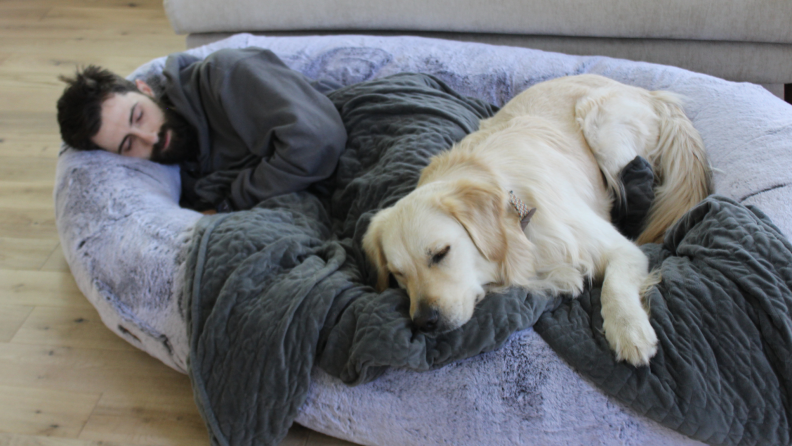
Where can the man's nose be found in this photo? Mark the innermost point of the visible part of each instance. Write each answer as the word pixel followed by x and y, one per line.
pixel 149 137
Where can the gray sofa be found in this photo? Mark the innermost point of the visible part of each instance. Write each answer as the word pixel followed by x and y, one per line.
pixel 737 40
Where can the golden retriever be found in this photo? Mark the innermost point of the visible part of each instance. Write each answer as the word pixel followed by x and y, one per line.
pixel 556 149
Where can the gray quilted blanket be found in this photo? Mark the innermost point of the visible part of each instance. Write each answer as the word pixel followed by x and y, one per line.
pixel 285 286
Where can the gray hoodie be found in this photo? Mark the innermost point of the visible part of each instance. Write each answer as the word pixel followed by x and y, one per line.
pixel 263 128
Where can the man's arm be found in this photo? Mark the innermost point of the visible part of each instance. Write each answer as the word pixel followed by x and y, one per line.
pixel 280 118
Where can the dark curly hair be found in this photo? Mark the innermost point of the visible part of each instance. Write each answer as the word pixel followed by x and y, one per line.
pixel 80 106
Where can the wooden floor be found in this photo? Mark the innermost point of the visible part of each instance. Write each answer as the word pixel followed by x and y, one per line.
pixel 65 380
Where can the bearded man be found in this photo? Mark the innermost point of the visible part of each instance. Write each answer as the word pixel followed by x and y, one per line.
pixel 242 126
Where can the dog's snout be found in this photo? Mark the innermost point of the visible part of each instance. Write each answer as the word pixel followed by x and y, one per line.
pixel 426 319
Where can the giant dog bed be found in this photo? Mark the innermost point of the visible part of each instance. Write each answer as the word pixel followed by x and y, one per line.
pixel 271 312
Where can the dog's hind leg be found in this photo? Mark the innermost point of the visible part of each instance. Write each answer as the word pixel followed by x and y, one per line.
pixel 618 123
pixel 622 122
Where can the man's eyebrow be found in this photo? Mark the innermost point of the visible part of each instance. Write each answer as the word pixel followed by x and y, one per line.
pixel 131 114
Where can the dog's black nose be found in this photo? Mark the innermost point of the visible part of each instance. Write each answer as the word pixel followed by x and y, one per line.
pixel 426 319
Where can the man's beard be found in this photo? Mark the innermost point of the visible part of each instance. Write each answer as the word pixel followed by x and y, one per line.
pixel 183 141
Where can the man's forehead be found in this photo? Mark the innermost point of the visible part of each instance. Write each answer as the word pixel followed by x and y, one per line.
pixel 120 100
pixel 115 101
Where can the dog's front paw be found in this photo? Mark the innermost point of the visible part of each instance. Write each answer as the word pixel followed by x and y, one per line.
pixel 632 338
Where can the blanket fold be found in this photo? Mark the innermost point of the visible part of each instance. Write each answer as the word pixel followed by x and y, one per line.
pixel 285 286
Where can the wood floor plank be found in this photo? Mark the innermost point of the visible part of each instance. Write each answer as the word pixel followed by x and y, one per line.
pixel 47 288
pixel 143 401
pixel 28 224
pixel 15 12
pixel 68 327
pixel 44 412
pixel 27 135
pixel 7 439
pixel 11 318
pixel 56 261
pixel 45 99
pixel 25 169
pixel 144 419
pixel 66 15
pixel 103 4
pixel 30 98
pixel 33 125
pixel 69 51
pixel 119 372
pixel 30 67
pixel 24 195
pixel 28 254
pixel 31 147
pixel 90 23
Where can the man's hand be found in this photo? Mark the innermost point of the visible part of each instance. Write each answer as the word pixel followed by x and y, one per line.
pixel 209 212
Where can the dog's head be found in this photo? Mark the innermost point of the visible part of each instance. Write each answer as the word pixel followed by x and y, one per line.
pixel 446 244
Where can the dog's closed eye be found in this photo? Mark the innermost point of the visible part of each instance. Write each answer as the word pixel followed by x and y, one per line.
pixel 438 256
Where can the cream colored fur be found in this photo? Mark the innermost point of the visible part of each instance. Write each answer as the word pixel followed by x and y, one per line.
pixel 560 146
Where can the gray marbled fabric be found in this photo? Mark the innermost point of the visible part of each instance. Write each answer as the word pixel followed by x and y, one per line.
pixel 126 239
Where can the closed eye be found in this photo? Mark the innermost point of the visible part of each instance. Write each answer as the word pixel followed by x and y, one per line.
pixel 439 255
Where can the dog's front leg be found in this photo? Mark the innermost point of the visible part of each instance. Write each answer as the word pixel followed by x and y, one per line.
pixel 625 321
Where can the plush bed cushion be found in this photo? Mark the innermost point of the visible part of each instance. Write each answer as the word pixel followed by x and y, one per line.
pixel 124 237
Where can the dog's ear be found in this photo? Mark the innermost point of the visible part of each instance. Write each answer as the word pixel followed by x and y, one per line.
pixel 480 207
pixel 372 245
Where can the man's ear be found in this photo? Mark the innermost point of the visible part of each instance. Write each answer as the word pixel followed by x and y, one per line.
pixel 144 87
pixel 480 208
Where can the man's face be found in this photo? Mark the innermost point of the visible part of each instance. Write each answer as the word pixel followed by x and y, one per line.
pixel 137 125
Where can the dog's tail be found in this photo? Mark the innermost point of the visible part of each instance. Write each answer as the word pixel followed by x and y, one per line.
pixel 681 168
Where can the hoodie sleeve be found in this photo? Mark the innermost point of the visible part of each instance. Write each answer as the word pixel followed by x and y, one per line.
pixel 269 124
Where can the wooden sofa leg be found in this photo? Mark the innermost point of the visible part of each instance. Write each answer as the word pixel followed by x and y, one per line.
pixel 788 93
